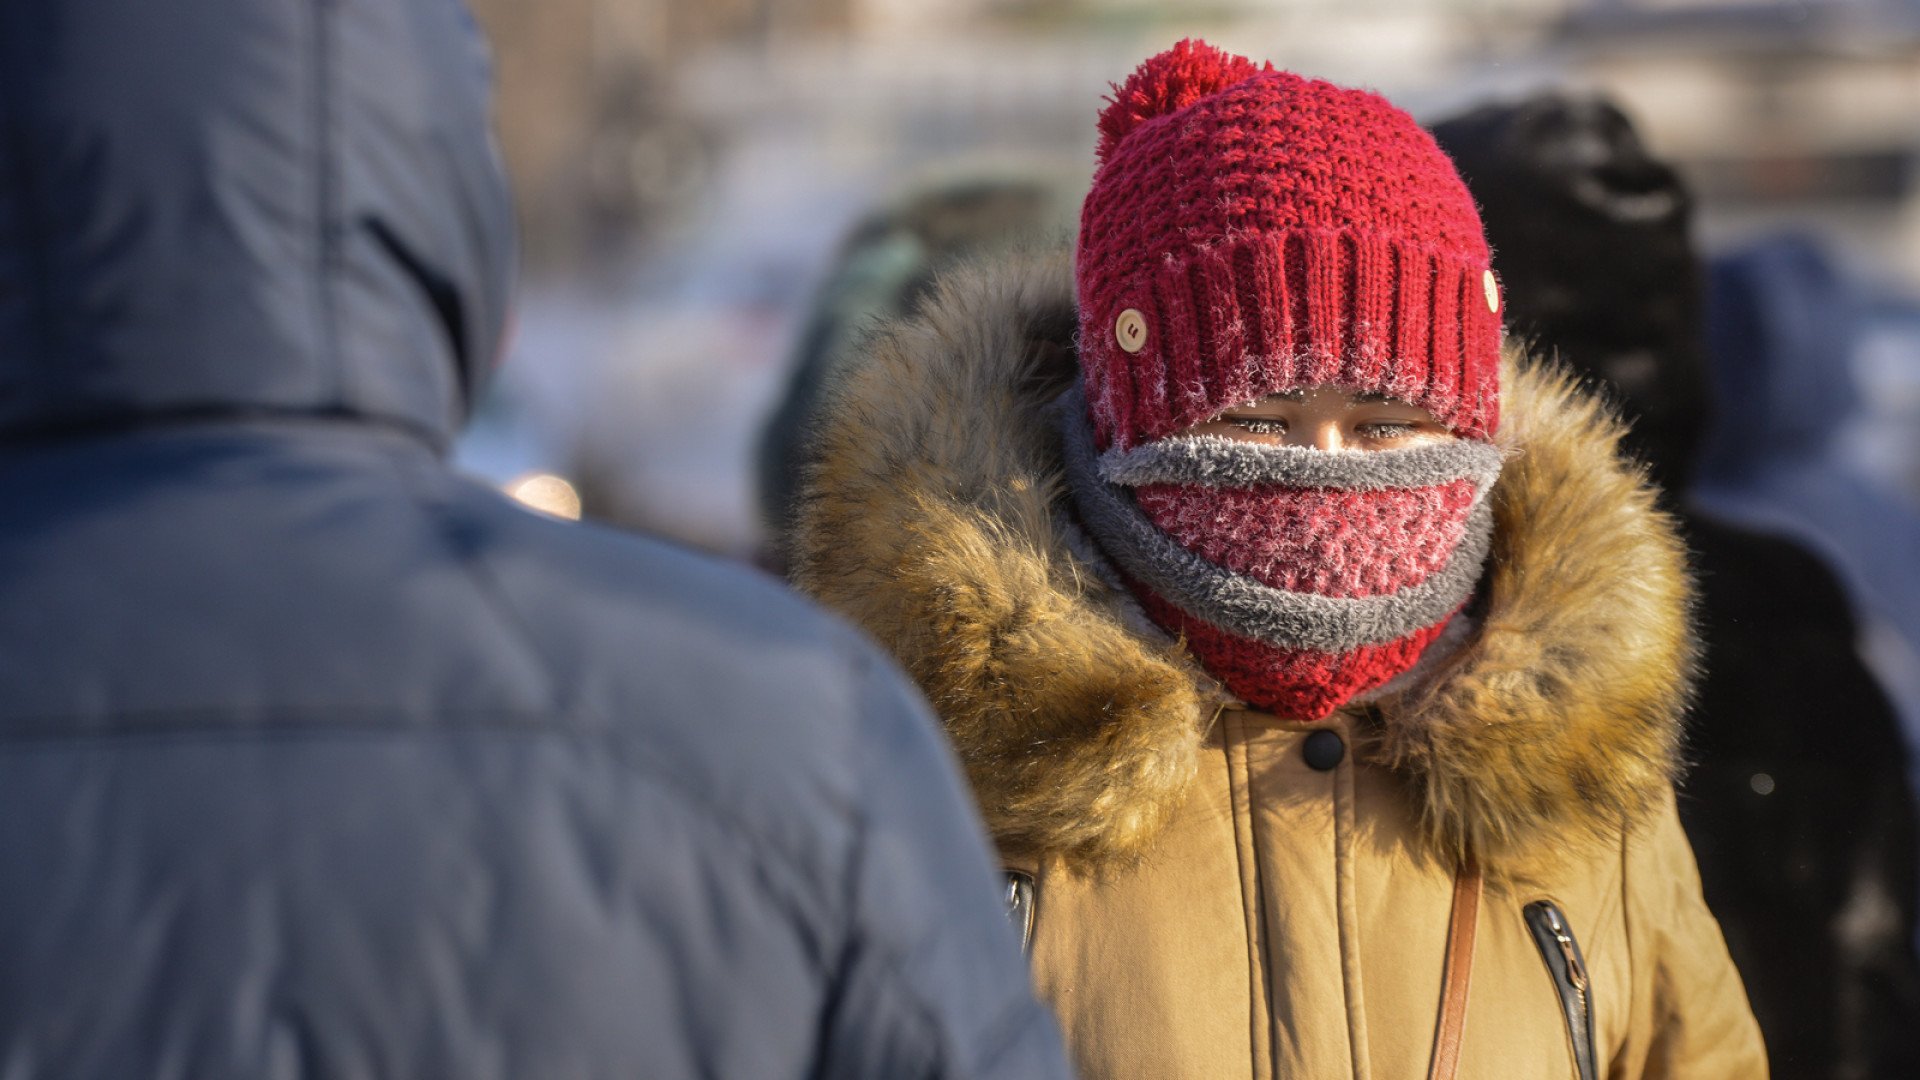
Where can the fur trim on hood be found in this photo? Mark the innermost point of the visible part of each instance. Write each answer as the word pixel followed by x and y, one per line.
pixel 930 517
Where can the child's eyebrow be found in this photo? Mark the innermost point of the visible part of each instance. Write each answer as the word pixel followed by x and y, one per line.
pixel 1287 395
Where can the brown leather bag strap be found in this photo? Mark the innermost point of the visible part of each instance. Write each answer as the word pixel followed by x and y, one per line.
pixel 1459 973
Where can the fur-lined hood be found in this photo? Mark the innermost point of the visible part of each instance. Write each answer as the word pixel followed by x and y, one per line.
pixel 930 518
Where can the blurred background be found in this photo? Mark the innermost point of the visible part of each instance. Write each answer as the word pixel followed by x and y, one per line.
pixel 1718 218
pixel 687 170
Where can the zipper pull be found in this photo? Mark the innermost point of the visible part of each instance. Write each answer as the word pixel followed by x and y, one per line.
pixel 1019 906
pixel 1576 971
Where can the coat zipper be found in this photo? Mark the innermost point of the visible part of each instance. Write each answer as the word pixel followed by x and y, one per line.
pixel 1018 899
pixel 1561 952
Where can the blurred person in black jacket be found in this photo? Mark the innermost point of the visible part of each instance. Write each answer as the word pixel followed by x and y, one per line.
pixel 1798 804
pixel 318 760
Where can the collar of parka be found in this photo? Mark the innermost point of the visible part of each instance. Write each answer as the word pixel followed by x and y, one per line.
pixel 933 517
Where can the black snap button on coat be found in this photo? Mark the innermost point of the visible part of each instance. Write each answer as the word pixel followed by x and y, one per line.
pixel 1323 749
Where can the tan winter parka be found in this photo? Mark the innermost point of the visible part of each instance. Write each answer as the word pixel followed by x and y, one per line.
pixel 1478 875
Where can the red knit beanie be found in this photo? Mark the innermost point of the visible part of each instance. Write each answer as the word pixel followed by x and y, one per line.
pixel 1250 231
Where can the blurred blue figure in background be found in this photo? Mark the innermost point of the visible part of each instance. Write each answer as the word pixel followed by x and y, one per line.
pixel 318 760
pixel 1784 323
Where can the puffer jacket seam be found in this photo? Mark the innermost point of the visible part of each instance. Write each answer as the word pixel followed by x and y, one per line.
pixel 633 758
pixel 254 420
pixel 1347 908
pixel 217 723
pixel 1262 1022
pixel 486 583
pixel 889 956
pixel 997 1037
pixel 894 959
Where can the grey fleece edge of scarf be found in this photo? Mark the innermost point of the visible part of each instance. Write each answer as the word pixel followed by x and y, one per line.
pixel 1217 461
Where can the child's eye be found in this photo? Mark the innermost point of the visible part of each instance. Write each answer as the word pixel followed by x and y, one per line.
pixel 1259 426
pixel 1385 429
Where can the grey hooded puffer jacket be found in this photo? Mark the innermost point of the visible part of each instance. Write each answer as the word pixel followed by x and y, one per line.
pixel 317 760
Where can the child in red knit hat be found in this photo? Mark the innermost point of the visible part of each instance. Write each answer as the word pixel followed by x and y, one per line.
pixel 1253 236
pixel 1318 671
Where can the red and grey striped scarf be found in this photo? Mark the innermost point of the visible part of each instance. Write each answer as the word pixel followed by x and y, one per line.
pixel 1298 577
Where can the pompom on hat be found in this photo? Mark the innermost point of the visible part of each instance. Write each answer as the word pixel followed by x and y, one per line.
pixel 1250 231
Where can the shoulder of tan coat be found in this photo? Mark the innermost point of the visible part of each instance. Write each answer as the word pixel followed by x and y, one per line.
pixel 930 517
pixel 1689 1014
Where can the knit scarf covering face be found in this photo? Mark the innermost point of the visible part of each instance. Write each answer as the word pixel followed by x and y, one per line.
pixel 1298 577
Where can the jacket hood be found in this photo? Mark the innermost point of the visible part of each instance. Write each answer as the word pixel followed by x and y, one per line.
pixel 931 517
pixel 246 206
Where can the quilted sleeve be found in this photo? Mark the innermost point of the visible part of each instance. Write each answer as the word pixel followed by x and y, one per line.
pixel 1690 1017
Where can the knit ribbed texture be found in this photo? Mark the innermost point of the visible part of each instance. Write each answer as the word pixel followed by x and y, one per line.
pixel 1330 543
pixel 1335 544
pixel 1303 684
pixel 1276 232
